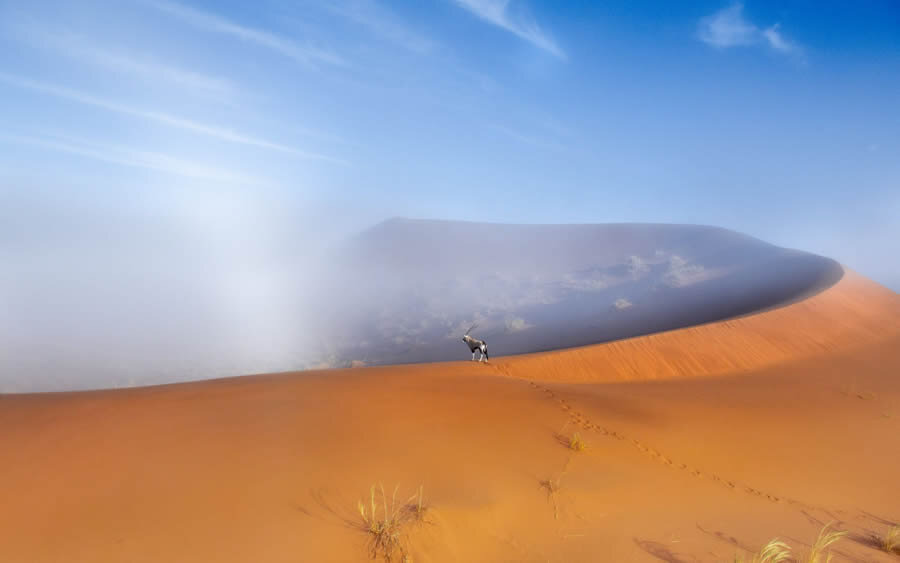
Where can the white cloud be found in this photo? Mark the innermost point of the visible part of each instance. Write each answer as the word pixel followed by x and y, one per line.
pixel 221 133
pixel 729 28
pixel 381 23
pixel 621 304
pixel 637 266
pixel 517 324
pixel 158 162
pixel 778 41
pixel 682 273
pixel 497 12
pixel 307 54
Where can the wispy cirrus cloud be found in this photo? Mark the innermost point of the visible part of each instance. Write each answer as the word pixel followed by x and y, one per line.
pixel 217 132
pixel 145 68
pixel 134 158
pixel 308 54
pixel 729 28
pixel 381 23
pixel 497 12
pixel 79 48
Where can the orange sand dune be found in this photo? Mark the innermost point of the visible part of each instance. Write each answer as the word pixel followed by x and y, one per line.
pixel 801 427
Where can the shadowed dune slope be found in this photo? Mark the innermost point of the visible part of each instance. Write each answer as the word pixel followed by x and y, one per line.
pixel 800 427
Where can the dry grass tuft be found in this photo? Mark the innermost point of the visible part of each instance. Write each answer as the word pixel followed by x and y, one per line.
pixel 385 525
pixel 891 540
pixel 776 551
pixel 416 507
pixel 824 541
pixel 576 444
pixel 387 522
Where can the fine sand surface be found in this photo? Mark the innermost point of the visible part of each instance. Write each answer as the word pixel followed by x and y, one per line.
pixel 700 442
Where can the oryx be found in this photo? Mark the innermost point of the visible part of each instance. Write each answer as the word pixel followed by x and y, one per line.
pixel 476 345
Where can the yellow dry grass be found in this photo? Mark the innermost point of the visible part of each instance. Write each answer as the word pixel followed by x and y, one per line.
pixel 576 443
pixel 891 540
pixel 820 551
pixel 776 551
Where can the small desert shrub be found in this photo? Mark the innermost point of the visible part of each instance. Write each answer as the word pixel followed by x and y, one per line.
pixel 386 522
pixel 576 443
pixel 891 540
pixel 776 551
pixel 822 544
pixel 384 525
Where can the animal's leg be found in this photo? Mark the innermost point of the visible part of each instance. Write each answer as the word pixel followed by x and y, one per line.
pixel 473 356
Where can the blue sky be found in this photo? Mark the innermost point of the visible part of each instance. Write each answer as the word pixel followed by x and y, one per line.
pixel 247 130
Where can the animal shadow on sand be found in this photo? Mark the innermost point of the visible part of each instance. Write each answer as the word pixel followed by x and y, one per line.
pixel 339 514
pixel 726 538
pixel 746 548
pixel 662 552
pixel 867 538
pixel 562 439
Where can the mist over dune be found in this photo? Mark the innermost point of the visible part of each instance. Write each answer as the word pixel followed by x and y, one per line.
pixel 136 308
pixel 408 289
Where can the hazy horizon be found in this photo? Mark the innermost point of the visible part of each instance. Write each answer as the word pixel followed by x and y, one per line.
pixel 401 291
